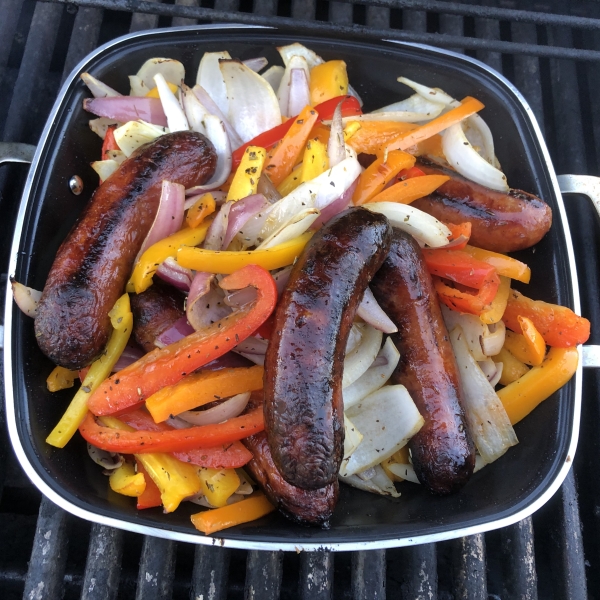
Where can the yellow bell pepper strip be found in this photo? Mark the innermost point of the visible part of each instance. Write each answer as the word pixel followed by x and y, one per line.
pixel 558 325
pixel 512 367
pixel 291 182
pixel 505 265
pixel 328 80
pixel 61 379
pixel 201 388
pixel 202 208
pixel 122 322
pixel 373 136
pixel 224 261
pixel 153 257
pixel 523 348
pixel 287 153
pixel 405 192
pixel 315 160
pixel 350 129
pixel 153 93
pixel 379 173
pixel 165 366
pixel 496 309
pixel 523 395
pixel 216 519
pixel 245 180
pixel 124 480
pixel 218 484
pixel 469 106
pixel 174 479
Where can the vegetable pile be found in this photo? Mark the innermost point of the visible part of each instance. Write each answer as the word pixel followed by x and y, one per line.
pixel 294 149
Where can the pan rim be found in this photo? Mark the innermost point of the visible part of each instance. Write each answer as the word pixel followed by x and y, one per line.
pixel 249 544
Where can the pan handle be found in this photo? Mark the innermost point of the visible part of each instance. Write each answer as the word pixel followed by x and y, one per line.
pixel 589 186
pixel 12 152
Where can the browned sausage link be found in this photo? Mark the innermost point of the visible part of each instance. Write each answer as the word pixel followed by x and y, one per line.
pixel 442 453
pixel 307 507
pixel 154 311
pixel 93 263
pixel 500 222
pixel 304 362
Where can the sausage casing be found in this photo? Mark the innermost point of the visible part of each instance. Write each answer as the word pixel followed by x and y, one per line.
pixel 501 222
pixel 304 361
pixel 442 453
pixel 93 263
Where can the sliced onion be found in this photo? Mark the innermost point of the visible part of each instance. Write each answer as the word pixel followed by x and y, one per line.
pixel 26 298
pixel 254 349
pixel 398 116
pixel 100 125
pixel 256 64
pixel 352 437
pixel 273 76
pixel 466 160
pixel 107 460
pixel 126 108
pixel 176 118
pixel 380 483
pixel 416 104
pixel 479 134
pixel 172 70
pixel 241 211
pixel 361 357
pixel 129 355
pixel 296 49
pixel 423 227
pixel 105 168
pixel 492 370
pixel 355 337
pixel 352 92
pixel 302 76
pixel 404 470
pixel 134 134
pixel 281 278
pixel 228 409
pixel 176 275
pixel 336 147
pixel 219 197
pixel 241 298
pixel 211 79
pixel 370 311
pixel 180 329
pixel 195 111
pixel 493 339
pixel 299 92
pixel 432 94
pixel 267 189
pixel 337 206
pixel 205 306
pixel 97 87
pixel 293 228
pixel 215 236
pixel 485 415
pixel 253 106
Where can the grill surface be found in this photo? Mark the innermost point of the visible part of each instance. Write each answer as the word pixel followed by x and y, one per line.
pixel 551 52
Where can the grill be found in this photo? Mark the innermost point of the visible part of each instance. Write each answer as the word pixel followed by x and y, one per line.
pixel 551 52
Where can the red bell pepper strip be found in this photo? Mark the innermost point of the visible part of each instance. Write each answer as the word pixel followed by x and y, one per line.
pixel 176 440
pixel 474 302
pixel 128 388
pixel 460 267
pixel 350 107
pixel 410 173
pixel 224 456
pixel 459 234
pixel 109 142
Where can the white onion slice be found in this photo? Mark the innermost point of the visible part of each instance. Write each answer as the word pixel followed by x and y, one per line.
pixel 493 340
pixel 480 136
pixel 426 229
pixel 432 94
pixel 172 70
pixel 125 108
pixel 273 76
pixel 176 118
pixel 291 229
pixel 405 471
pixel 267 189
pixel 253 106
pixel 254 349
pixel 228 409
pixel 415 104
pixel 211 79
pixel 299 92
pixel 492 370
pixel 360 358
pixel 26 298
pixel 240 298
pixel 195 111
pixel 352 437
pixel 240 212
pixel 354 338
pixel 105 168
pixel 296 49
pixel 336 147
pixel 173 273
pixel 337 206
pixel 132 135
pixel 283 92
pixel 180 329
pixel 370 311
pixel 398 116
pixel 486 418
pixel 107 460
pixel 205 304
pixel 380 483
pixel 468 162
pixel 374 377
pixel 100 125
pixel 97 87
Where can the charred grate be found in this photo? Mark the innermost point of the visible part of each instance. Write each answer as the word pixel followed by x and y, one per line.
pixel 550 51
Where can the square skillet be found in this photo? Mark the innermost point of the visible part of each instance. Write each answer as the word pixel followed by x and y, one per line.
pixel 502 493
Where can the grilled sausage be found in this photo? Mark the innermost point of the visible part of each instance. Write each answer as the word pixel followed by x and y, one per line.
pixel 93 263
pixel 442 452
pixel 154 311
pixel 307 507
pixel 500 222
pixel 304 361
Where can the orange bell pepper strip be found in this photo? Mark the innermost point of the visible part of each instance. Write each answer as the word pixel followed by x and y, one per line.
pixel 505 265
pixel 526 393
pixel 150 498
pixel 131 386
pixel 473 302
pixel 379 173
pixel 174 440
pixel 408 190
pixel 328 80
pixel 558 325
pixel 374 135
pixel 469 106
pixel 231 455
pixel 255 506
pixel 201 388
pixel 204 206
pixel 459 231
pixel 286 154
pixel 523 350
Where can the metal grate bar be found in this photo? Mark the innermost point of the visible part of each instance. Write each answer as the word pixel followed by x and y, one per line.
pixel 157 569
pixel 412 573
pixel 368 575
pixel 489 29
pixel 264 571
pixel 469 564
pixel 211 572
pixel 520 575
pixel 357 31
pixel 316 576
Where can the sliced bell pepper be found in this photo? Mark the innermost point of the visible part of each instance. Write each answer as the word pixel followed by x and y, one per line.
pixel 526 393
pixel 216 519
pixel 505 265
pixel 495 311
pixel 245 180
pixel 474 302
pixel 459 231
pixel 109 142
pixel 558 325
pixel 460 267
pixel 379 173
pixel 523 349
pixel 410 189
pixel 150 498
pixel 410 173
pixel 373 136
pixel 328 80
pixel 153 257
pixel 202 208
pixel 350 107
pixel 228 261
pixel 165 366
pixel 218 484
pixel 512 367
pixel 124 480
pixel 315 160
pixel 61 379
pixel 122 322
pixel 176 440
pixel 287 153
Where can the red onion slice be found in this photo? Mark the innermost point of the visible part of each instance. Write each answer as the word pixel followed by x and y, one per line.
pixel 284 90
pixel 253 349
pixel 176 275
pixel 241 211
pixel 180 329
pixel 127 108
pixel 26 298
pixel 205 303
pixel 215 236
pixel 256 64
pixel 267 189
pixel 129 355
pixel 228 409
pixel 370 311
pixel 281 278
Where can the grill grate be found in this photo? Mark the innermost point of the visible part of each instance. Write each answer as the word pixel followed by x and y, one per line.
pixel 551 54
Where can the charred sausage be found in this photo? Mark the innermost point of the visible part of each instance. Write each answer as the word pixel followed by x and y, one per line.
pixel 154 311
pixel 304 361
pixel 442 452
pixel 500 222
pixel 307 507
pixel 93 263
